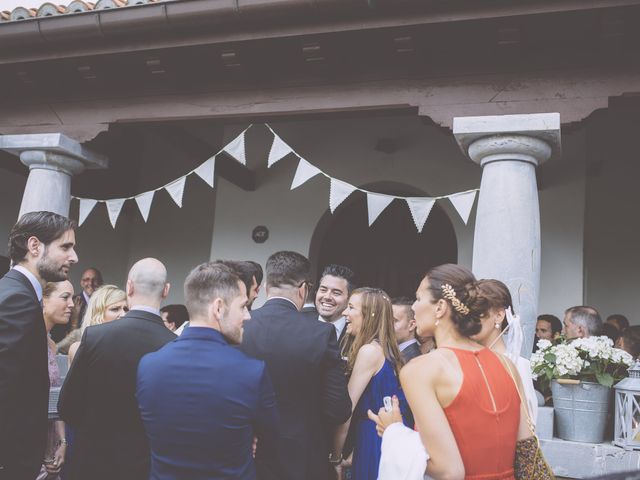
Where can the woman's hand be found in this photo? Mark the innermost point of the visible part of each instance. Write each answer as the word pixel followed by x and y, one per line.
pixel 58 460
pixel 383 419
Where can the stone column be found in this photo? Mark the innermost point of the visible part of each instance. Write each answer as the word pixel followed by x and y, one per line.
pixel 506 243
pixel 53 159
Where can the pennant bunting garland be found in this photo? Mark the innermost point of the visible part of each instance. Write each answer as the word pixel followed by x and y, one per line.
pixel 279 150
pixel 236 149
pixel 463 203
pixel 86 205
pixel 376 203
pixel 338 192
pixel 304 172
pixel 206 171
pixel 114 207
pixel 420 209
pixel 144 203
pixel 176 190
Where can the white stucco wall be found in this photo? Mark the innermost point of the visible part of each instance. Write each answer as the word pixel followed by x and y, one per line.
pixel 427 159
pixel 179 237
pixel 562 205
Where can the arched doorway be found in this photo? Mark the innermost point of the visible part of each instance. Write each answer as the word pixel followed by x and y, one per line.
pixel 390 254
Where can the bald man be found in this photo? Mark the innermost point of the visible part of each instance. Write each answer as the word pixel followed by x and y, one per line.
pixel 98 395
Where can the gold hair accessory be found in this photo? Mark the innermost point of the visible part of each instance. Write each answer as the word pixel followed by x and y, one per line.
pixel 450 294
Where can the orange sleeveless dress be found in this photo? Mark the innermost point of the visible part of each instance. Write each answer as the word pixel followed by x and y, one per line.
pixel 486 434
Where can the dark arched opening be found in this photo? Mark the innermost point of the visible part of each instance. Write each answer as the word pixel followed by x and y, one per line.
pixel 390 254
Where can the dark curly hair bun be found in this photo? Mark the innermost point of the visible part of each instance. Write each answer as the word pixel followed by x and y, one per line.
pixel 471 305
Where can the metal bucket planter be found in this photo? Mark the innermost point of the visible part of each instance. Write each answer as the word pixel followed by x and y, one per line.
pixel 580 410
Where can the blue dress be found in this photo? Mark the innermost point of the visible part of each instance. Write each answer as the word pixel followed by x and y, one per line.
pixel 367 443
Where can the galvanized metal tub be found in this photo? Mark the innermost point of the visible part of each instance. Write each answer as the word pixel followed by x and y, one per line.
pixel 581 410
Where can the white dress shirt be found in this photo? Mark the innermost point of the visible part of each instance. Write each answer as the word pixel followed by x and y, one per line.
pixel 146 308
pixel 339 325
pixel 404 345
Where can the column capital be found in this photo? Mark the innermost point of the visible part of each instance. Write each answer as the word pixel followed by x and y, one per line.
pixel 532 138
pixel 53 159
pixel 52 151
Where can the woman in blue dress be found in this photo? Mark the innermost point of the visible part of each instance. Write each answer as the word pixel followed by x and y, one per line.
pixel 373 366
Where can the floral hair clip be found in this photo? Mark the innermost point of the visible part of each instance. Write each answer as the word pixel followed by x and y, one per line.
pixel 450 294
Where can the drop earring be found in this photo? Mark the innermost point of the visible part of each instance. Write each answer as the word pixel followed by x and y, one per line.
pixel 437 322
pixel 497 325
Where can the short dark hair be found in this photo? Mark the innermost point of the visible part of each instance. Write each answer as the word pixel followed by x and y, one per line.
pixel 343 272
pixel 244 270
pixel 45 226
pixel 404 302
pixel 631 338
pixel 257 271
pixel 207 282
pixel 176 314
pixel 610 331
pixel 556 324
pixel 287 269
pixel 587 317
pixel 620 319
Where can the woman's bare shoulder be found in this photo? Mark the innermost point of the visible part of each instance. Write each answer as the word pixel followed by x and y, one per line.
pixel 424 366
pixel 370 353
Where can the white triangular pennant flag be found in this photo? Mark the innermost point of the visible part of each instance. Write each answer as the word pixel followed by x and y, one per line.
pixel 144 203
pixel 376 203
pixel 176 190
pixel 463 203
pixel 114 207
pixel 338 192
pixel 304 172
pixel 86 205
pixel 235 148
pixel 206 170
pixel 420 208
pixel 279 150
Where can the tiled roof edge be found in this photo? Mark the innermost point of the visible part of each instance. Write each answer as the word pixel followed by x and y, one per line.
pixel 49 9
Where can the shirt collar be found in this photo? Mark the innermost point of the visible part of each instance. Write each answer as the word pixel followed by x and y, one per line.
pixel 86 297
pixel 339 324
pixel 404 345
pixel 203 333
pixel 146 308
pixel 284 298
pixel 32 279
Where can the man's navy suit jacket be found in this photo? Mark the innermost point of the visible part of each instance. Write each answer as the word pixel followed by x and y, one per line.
pixel 201 402
pixel 311 388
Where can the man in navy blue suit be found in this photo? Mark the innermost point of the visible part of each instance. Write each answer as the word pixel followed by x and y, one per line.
pixel 202 401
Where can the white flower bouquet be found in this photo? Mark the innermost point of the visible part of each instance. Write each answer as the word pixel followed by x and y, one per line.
pixel 591 359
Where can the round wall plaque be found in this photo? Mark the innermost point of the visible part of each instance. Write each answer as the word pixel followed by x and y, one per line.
pixel 260 234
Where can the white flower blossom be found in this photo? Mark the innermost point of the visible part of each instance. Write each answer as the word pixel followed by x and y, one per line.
pixel 543 344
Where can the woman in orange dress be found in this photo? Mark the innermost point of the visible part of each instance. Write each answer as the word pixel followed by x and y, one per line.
pixel 464 399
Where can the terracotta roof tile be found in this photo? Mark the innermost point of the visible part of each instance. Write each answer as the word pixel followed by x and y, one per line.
pixel 49 9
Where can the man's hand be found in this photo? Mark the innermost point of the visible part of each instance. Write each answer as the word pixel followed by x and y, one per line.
pixel 58 460
pixel 383 419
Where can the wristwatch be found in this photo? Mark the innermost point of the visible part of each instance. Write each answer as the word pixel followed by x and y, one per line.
pixel 62 441
pixel 333 460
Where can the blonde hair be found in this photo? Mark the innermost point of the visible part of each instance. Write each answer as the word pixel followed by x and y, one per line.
pixel 377 324
pixel 101 299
